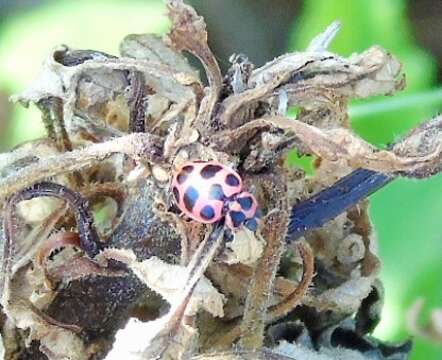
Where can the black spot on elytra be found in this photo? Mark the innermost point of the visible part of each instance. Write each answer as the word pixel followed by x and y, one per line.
pixel 237 217
pixel 232 180
pixel 245 202
pixel 184 174
pixel 187 169
pixel 210 171
pixel 207 212
pixel 190 198
pixel 181 178
pixel 176 194
pixel 216 192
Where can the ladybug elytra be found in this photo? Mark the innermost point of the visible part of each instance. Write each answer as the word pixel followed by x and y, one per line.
pixel 208 191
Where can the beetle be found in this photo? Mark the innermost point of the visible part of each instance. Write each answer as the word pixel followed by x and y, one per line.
pixel 210 192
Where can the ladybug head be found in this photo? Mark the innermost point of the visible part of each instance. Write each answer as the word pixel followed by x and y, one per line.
pixel 242 209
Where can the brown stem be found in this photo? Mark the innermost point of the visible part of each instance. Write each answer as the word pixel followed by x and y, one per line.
pixel 137 118
pixel 293 299
pixel 89 239
pixel 53 118
pixel 281 309
pixel 252 327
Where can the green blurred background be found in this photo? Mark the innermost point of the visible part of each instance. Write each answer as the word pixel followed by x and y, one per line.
pixel 407 214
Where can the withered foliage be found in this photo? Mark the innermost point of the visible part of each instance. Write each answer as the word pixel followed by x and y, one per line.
pixel 99 264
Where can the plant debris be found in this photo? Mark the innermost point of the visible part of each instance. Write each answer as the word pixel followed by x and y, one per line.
pixel 111 270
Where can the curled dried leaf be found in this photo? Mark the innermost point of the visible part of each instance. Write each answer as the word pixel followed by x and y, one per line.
pixel 340 144
pixel 189 33
pixel 71 265
pixel 344 299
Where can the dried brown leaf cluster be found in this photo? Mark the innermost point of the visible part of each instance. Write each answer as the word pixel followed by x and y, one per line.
pixel 119 274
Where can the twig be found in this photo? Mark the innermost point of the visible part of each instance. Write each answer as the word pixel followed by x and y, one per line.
pixel 274 312
pixel 53 118
pixel 252 327
pixel 52 113
pixel 137 117
pixel 293 299
pixel 196 268
pixel 138 146
pixel 89 239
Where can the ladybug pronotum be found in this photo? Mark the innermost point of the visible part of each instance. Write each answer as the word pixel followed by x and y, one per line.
pixel 208 191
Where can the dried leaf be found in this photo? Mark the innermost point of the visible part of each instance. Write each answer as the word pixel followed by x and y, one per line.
pixel 91 102
pixel 168 279
pixel 338 145
pixel 189 33
pixel 345 299
pixel 151 47
pixel 245 248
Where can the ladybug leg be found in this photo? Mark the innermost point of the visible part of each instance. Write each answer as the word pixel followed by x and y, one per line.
pixel 228 235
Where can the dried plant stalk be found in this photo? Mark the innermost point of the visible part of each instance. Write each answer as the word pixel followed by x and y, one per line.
pixel 139 146
pixel 164 287
pixel 262 280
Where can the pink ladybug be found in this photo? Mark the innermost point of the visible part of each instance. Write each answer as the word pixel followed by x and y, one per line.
pixel 207 191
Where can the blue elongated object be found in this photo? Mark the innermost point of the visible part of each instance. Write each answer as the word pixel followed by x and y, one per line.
pixel 334 200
